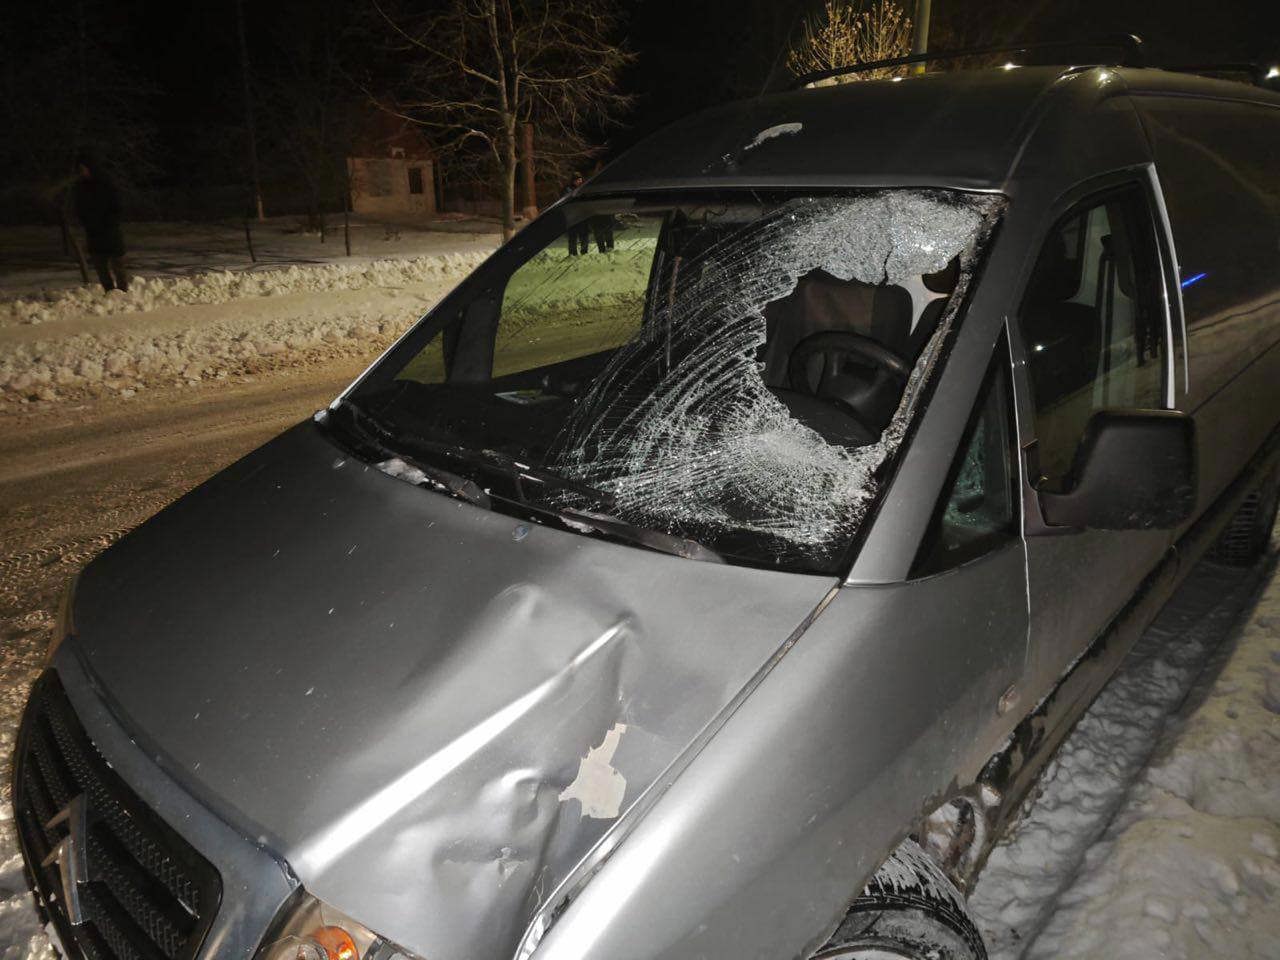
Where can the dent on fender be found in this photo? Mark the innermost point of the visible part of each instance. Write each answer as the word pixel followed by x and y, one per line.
pixel 356 826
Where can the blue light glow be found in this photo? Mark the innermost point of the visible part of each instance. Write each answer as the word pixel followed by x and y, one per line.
pixel 1193 279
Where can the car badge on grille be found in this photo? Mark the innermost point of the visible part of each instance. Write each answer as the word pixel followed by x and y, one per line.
pixel 71 855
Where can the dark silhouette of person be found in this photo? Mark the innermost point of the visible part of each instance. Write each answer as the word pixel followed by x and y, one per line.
pixel 602 229
pixel 98 209
pixel 579 235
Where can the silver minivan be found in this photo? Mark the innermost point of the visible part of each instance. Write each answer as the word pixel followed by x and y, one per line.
pixel 712 572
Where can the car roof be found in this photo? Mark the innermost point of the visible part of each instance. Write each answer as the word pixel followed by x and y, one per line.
pixel 960 129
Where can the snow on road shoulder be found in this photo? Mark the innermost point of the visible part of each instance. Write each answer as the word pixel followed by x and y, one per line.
pixel 184 330
pixel 220 286
pixel 1156 832
pixel 21 936
pixel 1190 866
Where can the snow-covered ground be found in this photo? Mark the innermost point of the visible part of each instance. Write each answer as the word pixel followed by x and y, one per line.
pixel 1157 829
pixel 64 343
pixel 32 259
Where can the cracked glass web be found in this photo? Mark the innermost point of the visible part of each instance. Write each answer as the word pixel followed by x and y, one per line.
pixel 681 428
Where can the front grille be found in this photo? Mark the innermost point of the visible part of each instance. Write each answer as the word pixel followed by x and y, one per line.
pixel 145 893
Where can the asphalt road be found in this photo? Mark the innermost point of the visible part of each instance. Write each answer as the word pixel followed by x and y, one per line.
pixel 74 479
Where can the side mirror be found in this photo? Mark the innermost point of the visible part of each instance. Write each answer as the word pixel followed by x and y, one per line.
pixel 1134 470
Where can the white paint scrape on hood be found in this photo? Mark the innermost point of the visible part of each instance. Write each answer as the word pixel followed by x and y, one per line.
pixel 777 130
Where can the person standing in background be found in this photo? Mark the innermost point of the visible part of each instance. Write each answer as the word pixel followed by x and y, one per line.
pixel 579 235
pixel 97 207
pixel 602 230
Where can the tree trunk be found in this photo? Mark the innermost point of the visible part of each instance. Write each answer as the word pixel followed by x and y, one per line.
pixel 509 167
pixel 508 98
pixel 346 210
pixel 526 159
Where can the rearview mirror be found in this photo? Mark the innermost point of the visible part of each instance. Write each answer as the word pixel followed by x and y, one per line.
pixel 1134 470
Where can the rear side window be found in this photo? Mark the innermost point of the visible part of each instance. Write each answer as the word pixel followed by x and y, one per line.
pixel 1219 166
pixel 1093 323
pixel 976 511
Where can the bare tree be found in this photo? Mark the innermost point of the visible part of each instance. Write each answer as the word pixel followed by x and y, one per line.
pixel 847 33
pixel 475 71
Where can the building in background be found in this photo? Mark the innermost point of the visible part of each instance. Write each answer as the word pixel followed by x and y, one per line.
pixel 392 169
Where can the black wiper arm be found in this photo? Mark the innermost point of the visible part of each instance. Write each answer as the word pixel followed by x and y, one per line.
pixel 509 465
pixel 373 434
pixel 357 425
pixel 645 537
pixel 369 434
pixel 423 474
pixel 406 467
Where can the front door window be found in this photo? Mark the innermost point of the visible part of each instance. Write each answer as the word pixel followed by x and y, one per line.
pixel 1094 325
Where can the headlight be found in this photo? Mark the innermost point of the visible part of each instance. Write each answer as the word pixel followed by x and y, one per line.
pixel 310 930
pixel 63 625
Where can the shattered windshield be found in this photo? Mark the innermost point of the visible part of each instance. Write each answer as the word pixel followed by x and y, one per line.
pixel 733 374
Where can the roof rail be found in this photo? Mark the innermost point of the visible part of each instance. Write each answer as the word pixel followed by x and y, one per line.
pixel 1259 74
pixel 1129 45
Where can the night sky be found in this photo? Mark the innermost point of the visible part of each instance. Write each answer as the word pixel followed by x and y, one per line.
pixel 693 52
pixel 690 53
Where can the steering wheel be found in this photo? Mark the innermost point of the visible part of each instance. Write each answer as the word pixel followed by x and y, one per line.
pixel 870 402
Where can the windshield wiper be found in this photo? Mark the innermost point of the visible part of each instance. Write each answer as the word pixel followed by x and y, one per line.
pixel 369 434
pixel 372 433
pixel 644 536
pixel 357 424
pixel 396 458
pixel 423 474
pixel 507 465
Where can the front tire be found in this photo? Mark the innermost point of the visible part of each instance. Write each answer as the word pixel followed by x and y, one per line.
pixel 908 911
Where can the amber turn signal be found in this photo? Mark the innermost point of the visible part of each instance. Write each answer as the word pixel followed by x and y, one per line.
pixel 337 943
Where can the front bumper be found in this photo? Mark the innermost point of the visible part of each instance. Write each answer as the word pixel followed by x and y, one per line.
pixel 125 864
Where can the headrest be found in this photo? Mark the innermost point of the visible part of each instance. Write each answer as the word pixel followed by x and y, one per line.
pixel 829 303
pixel 1122 253
pixel 821 301
pixel 1057 275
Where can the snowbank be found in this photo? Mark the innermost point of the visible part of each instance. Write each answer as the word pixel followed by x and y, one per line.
pixel 179 334
pixel 223 285
pixel 1190 867
pixel 1157 830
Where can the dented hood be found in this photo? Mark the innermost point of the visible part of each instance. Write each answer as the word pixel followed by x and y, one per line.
pixel 432 720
